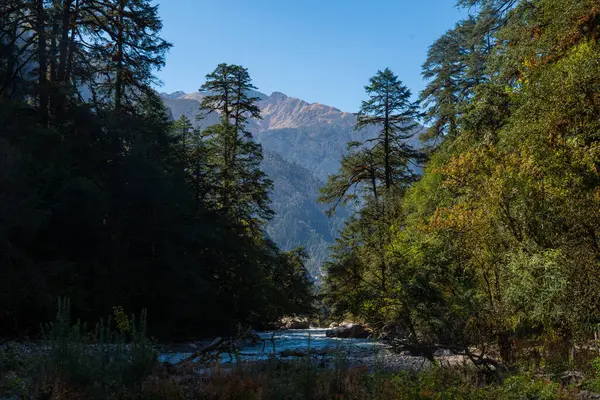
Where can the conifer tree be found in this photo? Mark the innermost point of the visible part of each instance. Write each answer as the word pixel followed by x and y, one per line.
pixel 103 198
pixel 240 188
pixel 445 68
pixel 192 155
pixel 374 173
pixel 381 164
pixel 127 49
pixel 389 108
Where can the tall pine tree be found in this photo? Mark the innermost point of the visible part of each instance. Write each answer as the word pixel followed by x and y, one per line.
pixel 239 187
pixel 383 162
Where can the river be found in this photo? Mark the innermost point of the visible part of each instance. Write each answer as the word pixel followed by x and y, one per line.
pixel 296 340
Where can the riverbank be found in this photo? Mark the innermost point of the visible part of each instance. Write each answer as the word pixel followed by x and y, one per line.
pixel 63 369
pixel 283 344
pixel 298 343
pixel 80 376
pixel 291 364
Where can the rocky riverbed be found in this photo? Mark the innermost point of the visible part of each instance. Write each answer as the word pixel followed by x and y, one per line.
pixel 297 343
pixel 284 345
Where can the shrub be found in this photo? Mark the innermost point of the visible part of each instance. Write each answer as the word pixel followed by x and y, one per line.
pixel 99 363
pixel 526 386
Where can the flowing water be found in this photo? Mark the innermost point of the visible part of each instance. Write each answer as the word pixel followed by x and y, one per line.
pixel 296 340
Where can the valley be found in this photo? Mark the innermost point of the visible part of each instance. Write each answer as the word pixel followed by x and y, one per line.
pixel 303 144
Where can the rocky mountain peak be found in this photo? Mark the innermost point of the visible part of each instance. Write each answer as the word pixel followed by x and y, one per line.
pixel 303 144
pixel 277 96
pixel 174 95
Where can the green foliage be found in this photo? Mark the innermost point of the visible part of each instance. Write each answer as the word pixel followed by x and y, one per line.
pixel 14 368
pixel 525 386
pixel 99 363
pixel 496 246
pixel 107 202
pixel 593 383
pixel 237 184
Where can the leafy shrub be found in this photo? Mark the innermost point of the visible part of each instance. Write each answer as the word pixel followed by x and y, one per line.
pixel 526 386
pixel 100 362
pixel 593 383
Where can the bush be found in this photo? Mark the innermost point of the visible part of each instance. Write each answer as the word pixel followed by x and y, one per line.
pixel 98 363
pixel 526 386
pixel 593 383
pixel 302 379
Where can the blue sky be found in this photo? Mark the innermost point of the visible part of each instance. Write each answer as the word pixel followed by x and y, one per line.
pixel 317 50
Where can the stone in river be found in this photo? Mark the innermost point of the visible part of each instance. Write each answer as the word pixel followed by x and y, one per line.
pixel 349 331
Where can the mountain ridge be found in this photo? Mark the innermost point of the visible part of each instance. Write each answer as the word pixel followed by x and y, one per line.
pixel 303 144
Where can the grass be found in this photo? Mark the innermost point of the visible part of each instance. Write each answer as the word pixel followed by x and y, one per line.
pixel 300 380
pixel 272 379
pixel 74 363
pixel 117 360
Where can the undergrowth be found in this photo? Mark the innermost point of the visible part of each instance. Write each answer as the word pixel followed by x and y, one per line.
pixel 118 360
pixel 110 361
pixel 301 380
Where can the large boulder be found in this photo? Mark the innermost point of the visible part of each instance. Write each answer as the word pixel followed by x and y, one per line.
pixel 294 323
pixel 349 331
pixel 298 325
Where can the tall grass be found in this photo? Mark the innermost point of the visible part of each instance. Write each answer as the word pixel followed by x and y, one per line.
pixel 298 380
pixel 98 363
pixel 117 360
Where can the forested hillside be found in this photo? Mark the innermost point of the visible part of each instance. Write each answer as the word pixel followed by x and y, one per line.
pixel 495 247
pixel 454 233
pixel 304 143
pixel 108 202
pixel 299 219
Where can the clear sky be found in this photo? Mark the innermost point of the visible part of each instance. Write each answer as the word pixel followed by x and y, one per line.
pixel 317 50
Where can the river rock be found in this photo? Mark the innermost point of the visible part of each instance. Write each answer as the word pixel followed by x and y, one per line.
pixel 294 323
pixel 349 331
pixel 292 353
pixel 298 325
pixel 587 395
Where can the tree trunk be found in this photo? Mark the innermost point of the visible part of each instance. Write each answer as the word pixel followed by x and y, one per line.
pixel 506 347
pixel 71 44
pixel 119 55
pixel 9 79
pixel 40 28
pixel 64 41
pixel 374 184
pixel 197 180
pixel 386 142
pixel 53 51
pixel 227 151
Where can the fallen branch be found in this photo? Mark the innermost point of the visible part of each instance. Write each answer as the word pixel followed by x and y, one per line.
pixel 214 345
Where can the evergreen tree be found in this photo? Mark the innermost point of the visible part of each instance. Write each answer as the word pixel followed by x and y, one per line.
pixel 455 65
pixel 382 164
pixel 389 108
pixel 103 197
pixel 127 49
pixel 239 187
pixel 192 153
pixel 374 173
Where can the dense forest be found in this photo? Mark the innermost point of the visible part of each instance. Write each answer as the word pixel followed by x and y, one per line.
pixel 481 242
pixel 107 202
pixel 495 248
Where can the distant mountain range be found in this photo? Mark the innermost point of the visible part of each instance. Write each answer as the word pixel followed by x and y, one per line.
pixel 303 144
